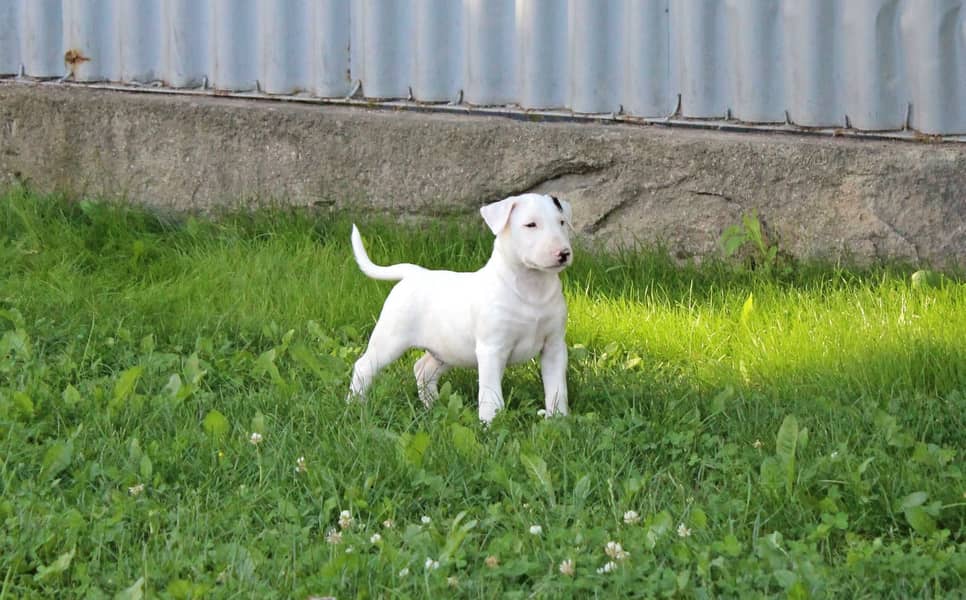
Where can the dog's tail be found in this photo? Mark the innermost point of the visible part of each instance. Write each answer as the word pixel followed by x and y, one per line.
pixel 390 273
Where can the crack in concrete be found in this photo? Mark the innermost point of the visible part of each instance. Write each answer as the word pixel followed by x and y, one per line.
pixel 724 197
pixel 558 171
pixel 608 215
pixel 892 228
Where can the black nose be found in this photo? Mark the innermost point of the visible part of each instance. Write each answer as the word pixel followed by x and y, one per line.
pixel 562 256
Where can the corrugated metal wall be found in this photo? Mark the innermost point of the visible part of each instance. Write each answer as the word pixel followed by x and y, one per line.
pixel 873 65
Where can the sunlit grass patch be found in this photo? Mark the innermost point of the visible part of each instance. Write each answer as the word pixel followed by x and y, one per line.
pixel 173 423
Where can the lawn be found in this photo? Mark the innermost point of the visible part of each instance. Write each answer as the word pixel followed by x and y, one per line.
pixel 173 423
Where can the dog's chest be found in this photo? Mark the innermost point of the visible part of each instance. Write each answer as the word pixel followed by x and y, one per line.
pixel 527 328
pixel 525 348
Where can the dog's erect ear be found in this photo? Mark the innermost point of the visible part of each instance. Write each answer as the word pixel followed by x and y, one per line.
pixel 497 214
pixel 564 207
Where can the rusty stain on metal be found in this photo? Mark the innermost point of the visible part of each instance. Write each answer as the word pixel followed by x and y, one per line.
pixel 73 58
pixel 929 138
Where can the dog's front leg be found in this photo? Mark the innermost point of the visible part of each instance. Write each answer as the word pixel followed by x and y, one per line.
pixel 553 370
pixel 491 362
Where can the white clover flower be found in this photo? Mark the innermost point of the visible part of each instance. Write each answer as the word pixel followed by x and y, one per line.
pixel 631 517
pixel 542 412
pixel 615 551
pixel 425 520
pixel 834 455
pixel 683 531
pixel 757 444
pixel 345 519
pixel 388 523
pixel 607 568
pixel 135 490
pixel 256 438
pixel 404 571
pixel 333 537
pixel 431 565
pixel 300 466
pixel 452 582
pixel 536 530
pixel 567 568
pixel 375 539
pixel 349 550
pixel 492 561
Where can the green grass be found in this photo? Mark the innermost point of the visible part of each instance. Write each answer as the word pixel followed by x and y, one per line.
pixel 804 426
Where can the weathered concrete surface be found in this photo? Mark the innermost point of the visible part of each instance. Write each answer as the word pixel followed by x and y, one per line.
pixel 816 196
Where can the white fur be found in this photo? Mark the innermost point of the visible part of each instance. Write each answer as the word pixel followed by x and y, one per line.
pixel 507 312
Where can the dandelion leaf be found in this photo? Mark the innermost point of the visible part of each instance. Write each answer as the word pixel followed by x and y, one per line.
pixel 182 589
pixel 747 309
pixel 785 448
pixel 464 440
pixel 413 447
pixel 145 468
pixel 258 423
pixel 581 491
pixel 55 568
pixel 215 424
pixel 57 458
pixel 124 387
pixel 71 396
pixel 920 520
pixel 134 592
pixel 456 535
pixel 537 470
pixel 913 500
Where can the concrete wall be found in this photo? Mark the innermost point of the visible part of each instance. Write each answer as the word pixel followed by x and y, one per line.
pixel 817 196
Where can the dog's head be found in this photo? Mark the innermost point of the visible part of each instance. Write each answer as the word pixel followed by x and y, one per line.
pixel 535 227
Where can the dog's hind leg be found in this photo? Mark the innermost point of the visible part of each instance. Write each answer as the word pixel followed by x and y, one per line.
pixel 382 350
pixel 428 369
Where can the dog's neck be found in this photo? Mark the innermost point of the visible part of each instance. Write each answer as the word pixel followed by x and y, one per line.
pixel 530 285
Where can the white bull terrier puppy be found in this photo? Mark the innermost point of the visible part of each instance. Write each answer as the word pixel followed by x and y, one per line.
pixel 507 312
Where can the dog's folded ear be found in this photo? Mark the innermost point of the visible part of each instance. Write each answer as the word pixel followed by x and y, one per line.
pixel 564 207
pixel 497 214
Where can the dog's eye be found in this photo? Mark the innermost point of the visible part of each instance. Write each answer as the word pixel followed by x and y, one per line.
pixel 531 225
